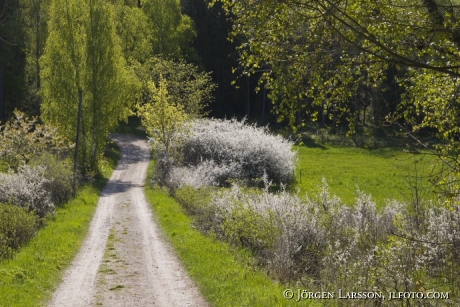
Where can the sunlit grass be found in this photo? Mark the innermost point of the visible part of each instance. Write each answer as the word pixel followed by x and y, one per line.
pixel 227 277
pixel 386 173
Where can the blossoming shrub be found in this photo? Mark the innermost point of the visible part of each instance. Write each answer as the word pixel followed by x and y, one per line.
pixel 325 244
pixel 23 138
pixel 219 150
pixel 59 175
pixel 17 226
pixel 280 228
pixel 27 188
pixel 206 173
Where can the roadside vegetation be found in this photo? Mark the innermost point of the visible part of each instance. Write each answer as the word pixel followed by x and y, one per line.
pixel 314 215
pixel 226 275
pixel 315 240
pixel 29 273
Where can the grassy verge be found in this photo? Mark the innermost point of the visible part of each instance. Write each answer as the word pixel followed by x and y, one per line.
pixel 386 173
pixel 226 276
pixel 30 277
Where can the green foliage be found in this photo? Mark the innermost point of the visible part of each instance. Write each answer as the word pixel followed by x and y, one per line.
pixel 194 200
pixel 249 228
pixel 226 277
pixel 335 49
pixel 12 59
pixel 17 227
pixel 171 32
pixel 60 177
pixel 135 33
pixel 85 78
pixel 164 119
pixel 197 204
pixel 36 270
pixel 23 138
pixel 35 22
pixel 186 85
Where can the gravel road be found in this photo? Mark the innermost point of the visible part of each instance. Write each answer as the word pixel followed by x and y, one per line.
pixel 125 259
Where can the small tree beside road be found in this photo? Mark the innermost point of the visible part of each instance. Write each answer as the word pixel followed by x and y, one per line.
pixel 165 122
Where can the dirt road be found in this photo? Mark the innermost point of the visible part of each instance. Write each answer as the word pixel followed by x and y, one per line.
pixel 125 261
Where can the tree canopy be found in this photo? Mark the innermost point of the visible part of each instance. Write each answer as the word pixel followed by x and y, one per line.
pixel 87 87
pixel 171 31
pixel 166 122
pixel 186 84
pixel 316 57
pixel 317 53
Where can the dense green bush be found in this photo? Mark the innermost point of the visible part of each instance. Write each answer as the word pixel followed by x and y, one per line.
pixel 17 226
pixel 198 203
pixel 194 200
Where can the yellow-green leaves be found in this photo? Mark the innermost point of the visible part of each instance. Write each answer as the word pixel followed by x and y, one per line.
pixel 165 120
pixel 186 85
pixel 83 65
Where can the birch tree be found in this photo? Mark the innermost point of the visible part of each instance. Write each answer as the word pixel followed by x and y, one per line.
pixel 87 88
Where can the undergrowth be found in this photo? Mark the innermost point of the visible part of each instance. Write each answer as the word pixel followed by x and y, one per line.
pixel 30 277
pixel 226 276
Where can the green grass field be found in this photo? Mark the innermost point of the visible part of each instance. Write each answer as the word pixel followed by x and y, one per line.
pixel 385 173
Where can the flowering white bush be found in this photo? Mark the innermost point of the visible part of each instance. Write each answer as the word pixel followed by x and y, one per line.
pixel 324 244
pixel 206 173
pixel 243 151
pixel 26 188
pixel 280 228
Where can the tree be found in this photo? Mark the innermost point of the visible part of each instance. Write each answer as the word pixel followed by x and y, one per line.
pixel 12 58
pixel 166 123
pixel 23 138
pixel 316 54
pixel 172 32
pixel 189 88
pixel 217 55
pixel 35 23
pixel 110 85
pixel 134 31
pixel 86 86
pixel 330 46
